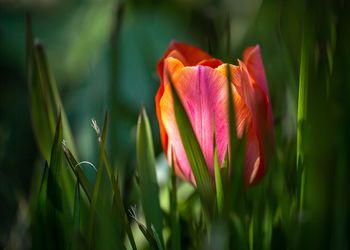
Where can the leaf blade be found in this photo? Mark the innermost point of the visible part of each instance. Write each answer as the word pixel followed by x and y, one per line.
pixel 193 151
pixel 147 173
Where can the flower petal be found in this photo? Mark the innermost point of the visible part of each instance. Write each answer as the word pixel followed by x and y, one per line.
pixel 212 62
pixel 201 83
pixel 260 132
pixel 188 55
pixel 249 108
pixel 203 93
pixel 254 164
pixel 243 115
pixel 163 134
pixel 252 59
pixel 173 66
pixel 263 108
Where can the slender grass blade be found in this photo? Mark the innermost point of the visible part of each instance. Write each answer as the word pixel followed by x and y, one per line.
pixel 147 174
pixel 193 151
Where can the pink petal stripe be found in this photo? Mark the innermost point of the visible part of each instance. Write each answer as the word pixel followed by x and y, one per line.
pixel 203 93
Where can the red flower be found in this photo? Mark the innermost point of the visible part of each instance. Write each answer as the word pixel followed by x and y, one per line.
pixel 201 82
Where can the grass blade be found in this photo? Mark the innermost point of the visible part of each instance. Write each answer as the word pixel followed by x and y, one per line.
pixel 55 209
pixel 79 174
pixel 174 215
pixel 218 183
pixel 193 151
pixel 55 167
pixel 51 94
pixel 102 198
pixel 118 215
pixel 147 173
pixel 42 128
pixel 117 197
pixel 120 210
pixel 236 151
pixel 302 114
pixel 44 96
pixel 76 211
pixel 153 242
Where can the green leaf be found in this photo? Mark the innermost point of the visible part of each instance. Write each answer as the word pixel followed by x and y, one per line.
pixel 44 96
pixel 100 198
pixel 52 95
pixel 302 109
pixel 42 128
pixel 251 234
pixel 147 174
pixel 76 211
pixel 150 235
pixel 232 120
pixel 54 190
pixel 236 151
pixel 55 201
pixel 38 207
pixel 79 174
pixel 117 198
pixel 218 183
pixel 121 214
pixel 174 215
pixel 193 151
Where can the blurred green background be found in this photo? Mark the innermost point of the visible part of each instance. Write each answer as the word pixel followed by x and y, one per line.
pixel 104 53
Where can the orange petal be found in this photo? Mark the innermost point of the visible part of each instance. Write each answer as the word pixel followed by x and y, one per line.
pixel 173 66
pixel 187 54
pixel 212 62
pixel 242 113
pixel 254 164
pixel 163 134
pixel 252 59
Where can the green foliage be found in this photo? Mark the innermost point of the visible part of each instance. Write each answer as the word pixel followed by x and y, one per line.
pixel 59 201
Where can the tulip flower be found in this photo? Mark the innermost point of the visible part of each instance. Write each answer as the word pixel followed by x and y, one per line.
pixel 201 82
